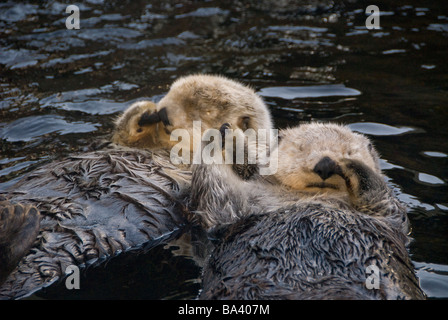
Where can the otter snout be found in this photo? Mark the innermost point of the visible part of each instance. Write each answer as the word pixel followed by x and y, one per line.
pixel 326 167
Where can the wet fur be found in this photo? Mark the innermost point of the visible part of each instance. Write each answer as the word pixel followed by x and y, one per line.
pixel 92 207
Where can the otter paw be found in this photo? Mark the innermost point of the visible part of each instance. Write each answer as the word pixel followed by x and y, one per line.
pixel 358 177
pixel 222 130
pixel 148 118
pixel 19 226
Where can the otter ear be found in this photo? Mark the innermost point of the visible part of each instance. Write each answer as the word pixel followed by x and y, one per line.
pixel 243 122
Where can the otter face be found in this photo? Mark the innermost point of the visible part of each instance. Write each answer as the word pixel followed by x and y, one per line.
pixel 136 128
pixel 212 100
pixel 311 157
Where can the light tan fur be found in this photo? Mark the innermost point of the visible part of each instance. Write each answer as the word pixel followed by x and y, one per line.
pixel 210 99
pixel 213 100
pixel 128 133
pixel 302 147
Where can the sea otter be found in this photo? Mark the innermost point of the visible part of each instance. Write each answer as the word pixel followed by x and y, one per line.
pixel 205 98
pixel 210 99
pixel 92 206
pixel 315 229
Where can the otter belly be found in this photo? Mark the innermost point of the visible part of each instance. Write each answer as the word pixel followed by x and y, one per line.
pixel 310 252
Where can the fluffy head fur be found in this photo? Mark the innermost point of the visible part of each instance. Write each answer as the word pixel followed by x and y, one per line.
pixel 213 100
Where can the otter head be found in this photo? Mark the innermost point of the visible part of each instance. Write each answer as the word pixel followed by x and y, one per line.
pixel 310 156
pixel 139 126
pixel 212 100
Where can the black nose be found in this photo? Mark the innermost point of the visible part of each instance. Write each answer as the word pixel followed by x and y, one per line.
pixel 325 168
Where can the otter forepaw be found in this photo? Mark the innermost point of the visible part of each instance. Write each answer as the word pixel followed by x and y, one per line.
pixel 242 168
pixel 19 226
pixel 148 118
pixel 222 130
pixel 359 178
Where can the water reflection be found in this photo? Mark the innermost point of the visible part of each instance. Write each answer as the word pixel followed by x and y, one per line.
pixel 435 282
pixel 331 90
pixel 89 100
pixel 429 179
pixel 379 129
pixel 29 128
pixel 435 154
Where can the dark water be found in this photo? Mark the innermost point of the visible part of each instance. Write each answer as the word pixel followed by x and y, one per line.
pixel 311 60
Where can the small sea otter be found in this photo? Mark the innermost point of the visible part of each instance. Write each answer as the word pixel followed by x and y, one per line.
pixel 92 206
pixel 209 99
pixel 315 229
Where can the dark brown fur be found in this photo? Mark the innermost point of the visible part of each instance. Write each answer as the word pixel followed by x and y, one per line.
pixel 92 207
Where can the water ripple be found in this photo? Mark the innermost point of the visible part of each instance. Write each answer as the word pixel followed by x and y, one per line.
pixel 30 128
pixel 379 129
pixel 290 93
